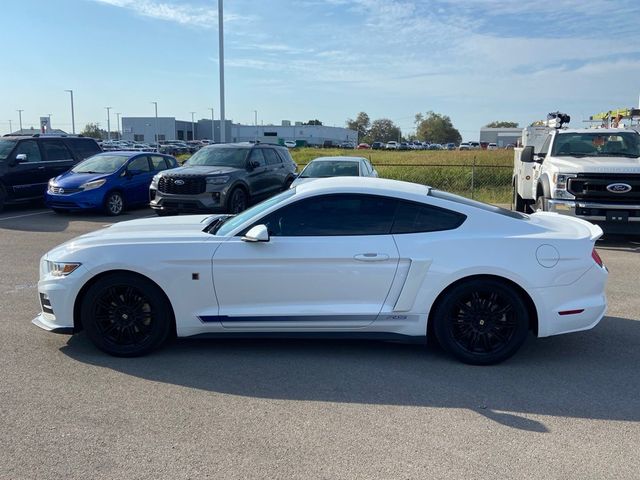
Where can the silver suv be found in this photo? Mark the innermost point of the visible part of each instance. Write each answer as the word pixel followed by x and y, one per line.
pixel 223 178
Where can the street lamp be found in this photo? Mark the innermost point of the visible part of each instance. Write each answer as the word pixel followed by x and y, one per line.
pixel 118 125
pixel 156 127
pixel 20 117
pixel 73 118
pixel 193 129
pixel 108 122
pixel 213 130
pixel 221 64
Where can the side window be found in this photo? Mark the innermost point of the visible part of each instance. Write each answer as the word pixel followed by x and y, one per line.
pixel 271 156
pixel 257 156
pixel 545 147
pixel 158 163
pixel 83 148
pixel 366 171
pixel 333 215
pixel 140 164
pixel 30 149
pixel 55 150
pixel 416 218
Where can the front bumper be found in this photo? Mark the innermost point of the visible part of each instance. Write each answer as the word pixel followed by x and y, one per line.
pixel 612 217
pixel 75 201
pixel 209 201
pixel 44 323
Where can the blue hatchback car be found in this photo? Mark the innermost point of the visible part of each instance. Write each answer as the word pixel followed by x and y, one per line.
pixel 109 181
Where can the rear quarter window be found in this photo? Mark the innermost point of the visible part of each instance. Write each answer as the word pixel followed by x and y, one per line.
pixel 419 218
pixel 83 147
pixel 474 203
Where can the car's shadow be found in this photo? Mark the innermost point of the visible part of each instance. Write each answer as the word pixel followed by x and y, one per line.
pixel 591 375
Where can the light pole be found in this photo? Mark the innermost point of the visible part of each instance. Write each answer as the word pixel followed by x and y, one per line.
pixel 20 118
pixel 221 62
pixel 193 129
pixel 108 109
pixel 73 117
pixel 118 125
pixel 156 127
pixel 213 128
pixel 255 122
pixel 49 115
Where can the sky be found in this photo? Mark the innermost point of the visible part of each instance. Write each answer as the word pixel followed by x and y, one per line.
pixel 474 60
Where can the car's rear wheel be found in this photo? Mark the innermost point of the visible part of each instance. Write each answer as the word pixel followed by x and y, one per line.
pixel 481 321
pixel 238 201
pixel 114 204
pixel 126 315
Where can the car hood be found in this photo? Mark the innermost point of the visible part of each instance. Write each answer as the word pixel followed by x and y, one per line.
pixel 596 164
pixel 200 170
pixel 74 180
pixel 173 230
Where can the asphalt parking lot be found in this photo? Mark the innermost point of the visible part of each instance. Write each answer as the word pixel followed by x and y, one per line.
pixel 564 407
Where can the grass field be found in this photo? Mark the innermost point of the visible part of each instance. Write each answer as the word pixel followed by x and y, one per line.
pixel 480 174
pixel 483 175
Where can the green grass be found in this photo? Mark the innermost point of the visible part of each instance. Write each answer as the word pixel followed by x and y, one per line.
pixel 447 170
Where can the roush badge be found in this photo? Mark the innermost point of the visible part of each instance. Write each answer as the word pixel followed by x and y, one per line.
pixel 619 187
pixel 181 182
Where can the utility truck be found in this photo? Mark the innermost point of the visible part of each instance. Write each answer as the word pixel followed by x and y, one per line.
pixel 592 174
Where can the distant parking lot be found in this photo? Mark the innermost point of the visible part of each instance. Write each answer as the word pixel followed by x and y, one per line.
pixel 563 407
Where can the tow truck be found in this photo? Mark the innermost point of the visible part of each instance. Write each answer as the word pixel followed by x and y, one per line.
pixel 590 173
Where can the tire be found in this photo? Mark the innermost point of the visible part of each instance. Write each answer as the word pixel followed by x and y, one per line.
pixel 238 201
pixel 540 205
pixel 519 205
pixel 126 315
pixel 481 322
pixel 114 204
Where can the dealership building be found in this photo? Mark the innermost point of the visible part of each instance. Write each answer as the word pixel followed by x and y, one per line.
pixel 143 129
pixel 500 136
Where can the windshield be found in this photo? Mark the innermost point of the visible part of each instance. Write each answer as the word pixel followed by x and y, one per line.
pixel 100 164
pixel 230 224
pixel 219 157
pixel 324 168
pixel 597 144
pixel 5 148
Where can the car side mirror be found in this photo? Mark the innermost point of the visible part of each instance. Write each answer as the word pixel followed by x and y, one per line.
pixel 527 155
pixel 537 158
pixel 21 158
pixel 259 233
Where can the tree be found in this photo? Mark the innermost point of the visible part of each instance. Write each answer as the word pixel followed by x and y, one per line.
pixel 383 130
pixel 437 128
pixel 502 125
pixel 361 125
pixel 93 130
pixel 313 122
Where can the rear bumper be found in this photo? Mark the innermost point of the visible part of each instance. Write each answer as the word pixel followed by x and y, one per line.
pixel 612 217
pixel 575 307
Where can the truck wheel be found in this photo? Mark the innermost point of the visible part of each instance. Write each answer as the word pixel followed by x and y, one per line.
pixel 541 204
pixel 519 205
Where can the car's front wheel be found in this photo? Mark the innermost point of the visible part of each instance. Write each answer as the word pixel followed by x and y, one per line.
pixel 238 201
pixel 114 204
pixel 126 315
pixel 481 321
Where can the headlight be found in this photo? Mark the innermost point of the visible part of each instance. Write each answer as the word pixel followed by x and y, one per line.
pixel 94 184
pixel 155 178
pixel 561 181
pixel 50 185
pixel 217 180
pixel 60 269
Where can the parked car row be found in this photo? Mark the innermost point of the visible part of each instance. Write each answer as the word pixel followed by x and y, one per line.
pixel 169 147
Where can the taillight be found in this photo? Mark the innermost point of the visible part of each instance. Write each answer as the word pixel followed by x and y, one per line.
pixel 596 258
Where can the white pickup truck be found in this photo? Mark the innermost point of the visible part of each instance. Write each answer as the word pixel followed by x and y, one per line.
pixel 593 174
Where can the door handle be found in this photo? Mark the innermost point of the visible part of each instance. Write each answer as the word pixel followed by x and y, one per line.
pixel 40 168
pixel 371 257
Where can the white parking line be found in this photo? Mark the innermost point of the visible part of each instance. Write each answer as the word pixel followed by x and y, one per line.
pixel 25 215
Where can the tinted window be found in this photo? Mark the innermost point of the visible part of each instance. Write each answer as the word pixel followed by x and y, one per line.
pixel 100 164
pixel 83 147
pixel 333 215
pixel 215 156
pixel 257 156
pixel 158 163
pixel 5 148
pixel 140 164
pixel 271 156
pixel 474 203
pixel 600 143
pixel 56 150
pixel 414 218
pixel 30 149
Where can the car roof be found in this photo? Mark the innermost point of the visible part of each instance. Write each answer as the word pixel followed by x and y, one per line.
pixel 337 159
pixel 244 145
pixel 380 186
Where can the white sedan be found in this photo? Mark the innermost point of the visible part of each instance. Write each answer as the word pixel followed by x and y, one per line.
pixel 337 257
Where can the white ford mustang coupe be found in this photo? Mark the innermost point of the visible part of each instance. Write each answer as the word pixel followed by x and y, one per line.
pixel 335 258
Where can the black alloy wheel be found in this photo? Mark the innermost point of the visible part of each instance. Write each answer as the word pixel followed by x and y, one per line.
pixel 237 201
pixel 482 322
pixel 126 315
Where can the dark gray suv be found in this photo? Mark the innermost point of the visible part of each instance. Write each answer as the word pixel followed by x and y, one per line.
pixel 223 178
